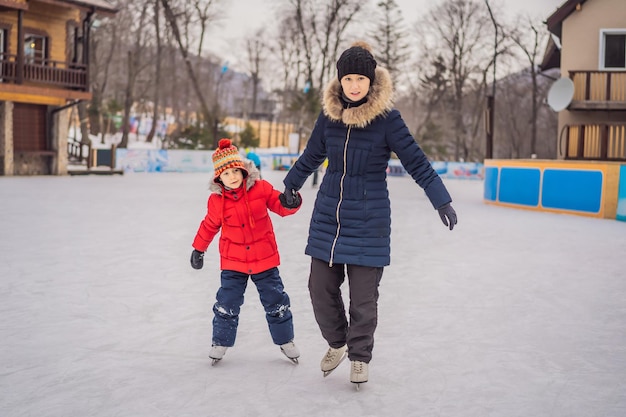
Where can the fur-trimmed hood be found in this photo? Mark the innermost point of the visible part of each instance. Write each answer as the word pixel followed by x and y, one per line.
pixel 253 176
pixel 379 101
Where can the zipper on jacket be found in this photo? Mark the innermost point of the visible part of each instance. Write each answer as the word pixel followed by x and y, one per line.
pixel 343 176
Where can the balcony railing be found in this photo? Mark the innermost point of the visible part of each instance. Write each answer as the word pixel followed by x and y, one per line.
pixel 53 73
pixel 597 142
pixel 598 90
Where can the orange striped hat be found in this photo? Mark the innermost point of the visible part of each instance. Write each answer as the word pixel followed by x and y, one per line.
pixel 225 157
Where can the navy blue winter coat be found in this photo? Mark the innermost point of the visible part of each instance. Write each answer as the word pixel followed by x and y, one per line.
pixel 351 221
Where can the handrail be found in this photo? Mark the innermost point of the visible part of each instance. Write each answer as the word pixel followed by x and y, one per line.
pixel 80 152
pixel 599 85
pixel 47 71
pixel 597 142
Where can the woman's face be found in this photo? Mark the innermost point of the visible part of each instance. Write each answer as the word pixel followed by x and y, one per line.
pixel 232 178
pixel 355 86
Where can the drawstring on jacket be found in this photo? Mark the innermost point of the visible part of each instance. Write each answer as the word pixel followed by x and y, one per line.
pixel 223 198
pixel 245 197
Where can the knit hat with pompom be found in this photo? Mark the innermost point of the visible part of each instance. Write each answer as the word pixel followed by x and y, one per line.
pixel 227 156
pixel 357 59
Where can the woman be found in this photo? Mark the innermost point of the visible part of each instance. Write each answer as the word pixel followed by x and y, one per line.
pixel 351 223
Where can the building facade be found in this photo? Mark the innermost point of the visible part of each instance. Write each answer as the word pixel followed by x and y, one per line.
pixel 592 36
pixel 44 70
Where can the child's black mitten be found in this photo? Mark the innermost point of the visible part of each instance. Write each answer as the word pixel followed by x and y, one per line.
pixel 197 259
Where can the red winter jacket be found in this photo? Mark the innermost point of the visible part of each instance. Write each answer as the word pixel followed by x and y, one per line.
pixel 247 242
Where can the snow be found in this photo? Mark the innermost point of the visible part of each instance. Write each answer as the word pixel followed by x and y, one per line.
pixel 514 313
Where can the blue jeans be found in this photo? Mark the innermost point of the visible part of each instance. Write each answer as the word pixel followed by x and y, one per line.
pixel 230 299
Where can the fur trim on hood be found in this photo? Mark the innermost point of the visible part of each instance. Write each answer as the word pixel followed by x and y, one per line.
pixel 253 176
pixel 379 101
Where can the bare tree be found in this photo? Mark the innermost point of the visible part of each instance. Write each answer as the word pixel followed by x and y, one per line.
pixel 513 113
pixel 171 17
pixel 321 28
pixel 255 48
pixel 135 64
pixel 206 12
pixel 456 30
pixel 456 41
pixel 104 43
pixel 288 53
pixel 530 47
pixel 157 73
pixel 296 102
pixel 491 107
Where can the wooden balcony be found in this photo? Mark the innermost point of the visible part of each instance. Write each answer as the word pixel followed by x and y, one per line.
pixel 43 72
pixel 596 142
pixel 598 90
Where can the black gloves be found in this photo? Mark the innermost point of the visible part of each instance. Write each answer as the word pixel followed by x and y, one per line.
pixel 197 259
pixel 448 215
pixel 290 199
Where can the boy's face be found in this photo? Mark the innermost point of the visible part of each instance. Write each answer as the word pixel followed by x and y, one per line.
pixel 355 86
pixel 232 178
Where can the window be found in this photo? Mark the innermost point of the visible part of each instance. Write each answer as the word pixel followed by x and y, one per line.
pixel 35 49
pixel 613 49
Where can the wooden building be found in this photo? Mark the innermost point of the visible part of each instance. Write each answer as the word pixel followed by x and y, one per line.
pixel 588 178
pixel 592 53
pixel 44 63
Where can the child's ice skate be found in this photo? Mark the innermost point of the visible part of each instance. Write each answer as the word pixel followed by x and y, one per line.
pixel 217 353
pixel 291 351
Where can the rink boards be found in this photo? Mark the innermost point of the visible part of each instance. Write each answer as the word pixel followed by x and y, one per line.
pixel 589 188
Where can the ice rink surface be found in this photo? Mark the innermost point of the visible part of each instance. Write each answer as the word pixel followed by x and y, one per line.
pixel 513 314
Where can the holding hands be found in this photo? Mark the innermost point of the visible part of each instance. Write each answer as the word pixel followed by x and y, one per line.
pixel 290 199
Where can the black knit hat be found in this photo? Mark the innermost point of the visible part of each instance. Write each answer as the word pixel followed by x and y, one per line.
pixel 357 59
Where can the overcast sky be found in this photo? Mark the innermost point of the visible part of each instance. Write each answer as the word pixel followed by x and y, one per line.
pixel 243 17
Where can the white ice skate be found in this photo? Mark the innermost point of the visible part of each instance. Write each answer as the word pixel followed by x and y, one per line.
pixel 333 358
pixel 291 351
pixel 217 353
pixel 358 373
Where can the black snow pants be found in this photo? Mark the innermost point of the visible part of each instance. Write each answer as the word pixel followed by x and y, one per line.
pixel 328 306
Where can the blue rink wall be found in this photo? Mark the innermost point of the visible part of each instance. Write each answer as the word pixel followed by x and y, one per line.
pixel 594 189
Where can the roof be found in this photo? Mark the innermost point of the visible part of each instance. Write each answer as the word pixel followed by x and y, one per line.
pixel 97 6
pixel 552 56
pixel 555 21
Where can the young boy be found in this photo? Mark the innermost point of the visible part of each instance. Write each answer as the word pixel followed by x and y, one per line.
pixel 239 207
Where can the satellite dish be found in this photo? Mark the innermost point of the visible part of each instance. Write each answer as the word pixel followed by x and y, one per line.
pixel 561 94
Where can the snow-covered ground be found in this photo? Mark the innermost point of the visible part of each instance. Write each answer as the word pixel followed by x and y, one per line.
pixel 514 313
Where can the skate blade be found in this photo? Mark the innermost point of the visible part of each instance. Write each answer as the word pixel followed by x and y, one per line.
pixel 294 360
pixel 357 385
pixel 215 361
